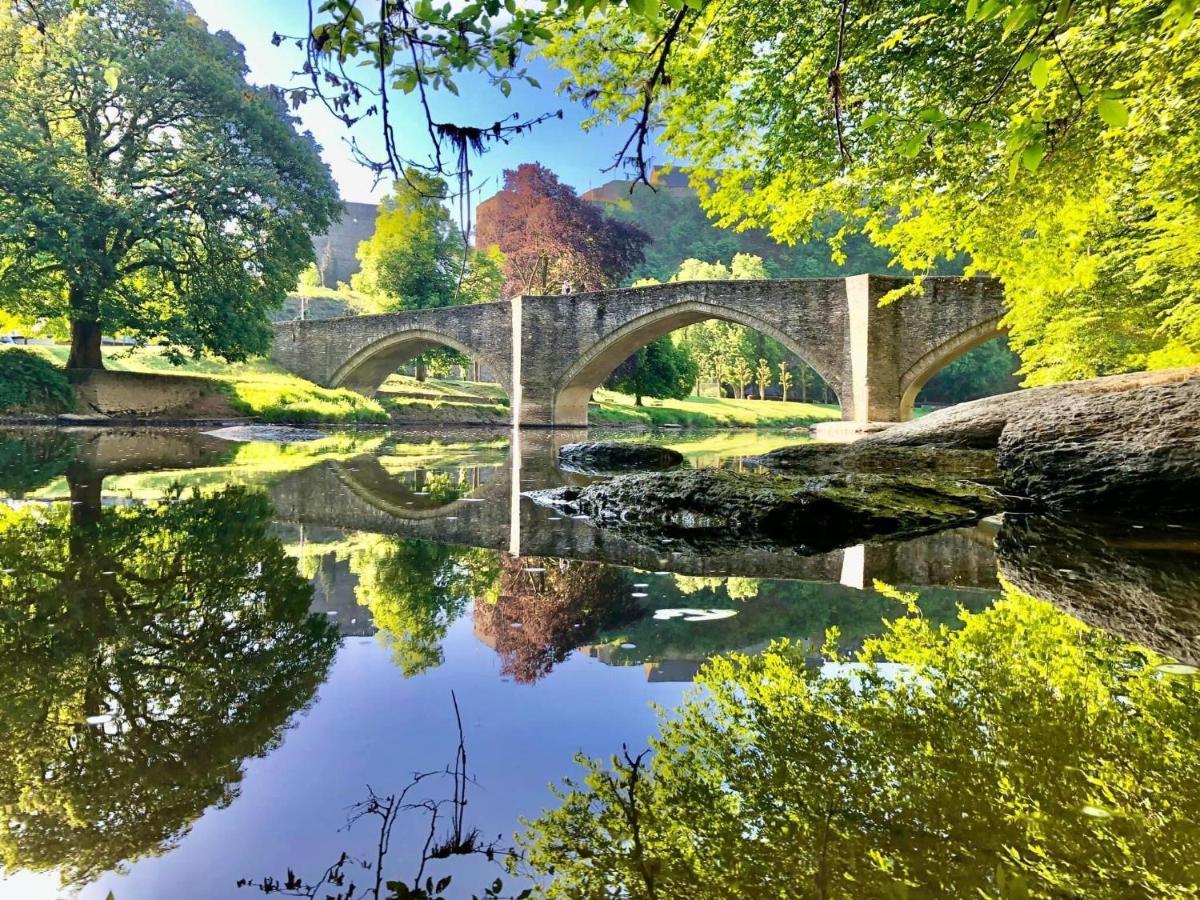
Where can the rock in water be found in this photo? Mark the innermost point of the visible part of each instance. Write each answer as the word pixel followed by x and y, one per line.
pixel 719 508
pixel 880 459
pixel 611 457
pixel 1130 451
pixel 276 434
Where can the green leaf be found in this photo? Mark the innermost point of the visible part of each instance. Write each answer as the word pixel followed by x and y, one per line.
pixel 1028 58
pixel 1113 112
pixel 911 145
pixel 1033 156
pixel 874 119
pixel 1040 73
pixel 972 8
pixel 112 77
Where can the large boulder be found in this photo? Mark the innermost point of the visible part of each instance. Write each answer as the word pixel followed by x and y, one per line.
pixel 979 423
pixel 878 459
pixel 1136 450
pixel 1140 582
pixel 611 457
pixel 718 508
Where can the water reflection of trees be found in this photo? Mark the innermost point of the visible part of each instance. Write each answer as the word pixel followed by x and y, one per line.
pixel 31 461
pixel 547 607
pixel 416 590
pixel 145 652
pixel 1022 755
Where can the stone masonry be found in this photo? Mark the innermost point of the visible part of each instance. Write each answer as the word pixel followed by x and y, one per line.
pixel 551 352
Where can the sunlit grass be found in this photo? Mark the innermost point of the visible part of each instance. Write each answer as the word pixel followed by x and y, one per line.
pixel 707 412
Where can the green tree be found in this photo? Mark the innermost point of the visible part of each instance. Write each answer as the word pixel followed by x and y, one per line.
pixel 1056 147
pixel 146 651
pixel 417 259
pixel 762 375
pixel 1022 755
pixel 740 374
pixel 680 229
pixel 145 186
pixel 661 369
pixel 785 380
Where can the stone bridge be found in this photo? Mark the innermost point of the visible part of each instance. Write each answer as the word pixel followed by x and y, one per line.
pixel 550 353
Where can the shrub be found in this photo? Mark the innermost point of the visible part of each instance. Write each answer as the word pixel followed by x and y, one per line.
pixel 30 383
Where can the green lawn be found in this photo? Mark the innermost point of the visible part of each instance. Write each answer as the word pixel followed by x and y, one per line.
pixel 612 408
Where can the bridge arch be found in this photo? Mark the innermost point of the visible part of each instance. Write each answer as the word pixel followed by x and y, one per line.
pixel 367 369
pixel 932 362
pixel 590 369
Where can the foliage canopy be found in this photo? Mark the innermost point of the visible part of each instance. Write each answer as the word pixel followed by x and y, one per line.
pixel 1056 145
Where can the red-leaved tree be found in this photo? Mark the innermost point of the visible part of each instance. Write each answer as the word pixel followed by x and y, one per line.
pixel 551 238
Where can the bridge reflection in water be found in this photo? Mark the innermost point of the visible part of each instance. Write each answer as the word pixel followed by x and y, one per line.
pixel 362 495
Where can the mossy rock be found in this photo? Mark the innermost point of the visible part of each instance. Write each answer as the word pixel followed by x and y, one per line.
pixel 718 508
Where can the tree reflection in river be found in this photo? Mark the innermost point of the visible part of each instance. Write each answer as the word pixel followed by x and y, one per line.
pixel 548 607
pixel 145 652
pixel 416 590
pixel 1023 755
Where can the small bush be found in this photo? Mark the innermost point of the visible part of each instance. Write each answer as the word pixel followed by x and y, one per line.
pixel 29 383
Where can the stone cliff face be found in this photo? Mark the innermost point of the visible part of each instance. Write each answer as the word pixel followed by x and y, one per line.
pixel 337 251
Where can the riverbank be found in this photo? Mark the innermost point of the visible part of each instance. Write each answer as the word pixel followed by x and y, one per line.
pixel 143 385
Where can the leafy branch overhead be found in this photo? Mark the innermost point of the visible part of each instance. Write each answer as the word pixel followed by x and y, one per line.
pixel 358 54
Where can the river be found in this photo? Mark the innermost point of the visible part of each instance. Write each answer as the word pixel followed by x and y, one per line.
pixel 223 663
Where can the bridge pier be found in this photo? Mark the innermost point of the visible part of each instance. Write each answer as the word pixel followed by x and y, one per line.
pixel 551 352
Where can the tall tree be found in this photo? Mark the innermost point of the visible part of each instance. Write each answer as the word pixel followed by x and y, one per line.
pixel 1055 146
pixel 145 185
pixel 551 238
pixel 417 259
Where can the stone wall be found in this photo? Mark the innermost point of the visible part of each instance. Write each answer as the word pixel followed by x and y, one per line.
pixel 139 394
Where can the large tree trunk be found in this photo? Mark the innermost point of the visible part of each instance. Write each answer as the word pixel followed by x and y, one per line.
pixel 85 345
pixel 422 372
pixel 638 400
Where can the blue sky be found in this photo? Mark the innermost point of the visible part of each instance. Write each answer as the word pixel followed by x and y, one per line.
pixel 578 158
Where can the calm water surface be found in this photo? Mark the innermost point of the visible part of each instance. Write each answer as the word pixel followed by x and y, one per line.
pixel 213 655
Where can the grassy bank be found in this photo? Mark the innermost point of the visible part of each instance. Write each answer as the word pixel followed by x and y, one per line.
pixel 257 389
pixel 261 390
